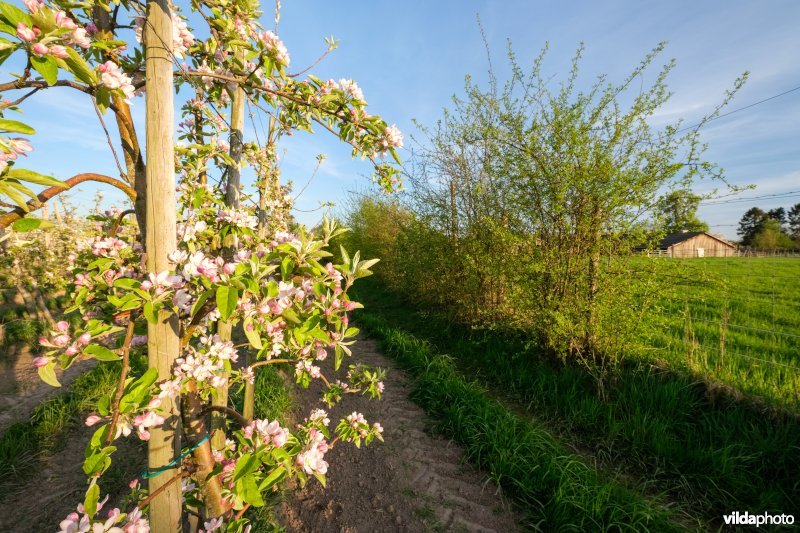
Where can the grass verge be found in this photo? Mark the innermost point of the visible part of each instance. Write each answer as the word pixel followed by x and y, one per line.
pixel 24 442
pixel 557 490
pixel 658 425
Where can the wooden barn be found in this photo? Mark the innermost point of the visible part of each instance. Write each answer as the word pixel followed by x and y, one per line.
pixel 695 244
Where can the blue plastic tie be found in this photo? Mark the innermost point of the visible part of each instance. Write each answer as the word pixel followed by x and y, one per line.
pixel 148 473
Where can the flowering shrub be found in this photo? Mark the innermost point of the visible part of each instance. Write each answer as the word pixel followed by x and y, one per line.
pixel 235 265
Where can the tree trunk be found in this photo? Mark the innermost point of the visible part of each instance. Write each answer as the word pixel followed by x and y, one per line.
pixel 224 328
pixel 163 343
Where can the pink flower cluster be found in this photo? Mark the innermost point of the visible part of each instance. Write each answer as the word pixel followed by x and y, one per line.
pixel 108 247
pixel 304 365
pixel 270 432
pixel 240 218
pixel 80 522
pixel 319 416
pixel 182 38
pixel 312 458
pixel 162 282
pixel 198 264
pixel 188 231
pixel 113 78
pixel 59 339
pixel 78 36
pixel 16 147
pixel 275 46
pixel 203 365
pixel 394 137
pixel 351 87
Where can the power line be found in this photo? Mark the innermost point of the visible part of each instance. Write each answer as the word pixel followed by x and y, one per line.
pixel 776 196
pixel 741 108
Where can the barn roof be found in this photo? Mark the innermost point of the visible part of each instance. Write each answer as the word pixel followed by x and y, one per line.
pixel 671 239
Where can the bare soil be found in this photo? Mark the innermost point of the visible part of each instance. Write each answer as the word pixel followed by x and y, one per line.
pixel 59 484
pixel 414 481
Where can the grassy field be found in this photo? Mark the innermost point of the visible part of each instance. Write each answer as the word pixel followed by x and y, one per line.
pixel 656 428
pixel 733 320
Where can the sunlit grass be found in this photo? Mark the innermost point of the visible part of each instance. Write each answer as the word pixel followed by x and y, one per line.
pixel 656 425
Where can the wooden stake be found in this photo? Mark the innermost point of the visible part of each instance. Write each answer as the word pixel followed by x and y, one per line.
pixel 163 342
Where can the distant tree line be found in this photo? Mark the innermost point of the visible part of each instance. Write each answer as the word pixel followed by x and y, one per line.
pixel 771 230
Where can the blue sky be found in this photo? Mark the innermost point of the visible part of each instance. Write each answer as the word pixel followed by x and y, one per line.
pixel 411 57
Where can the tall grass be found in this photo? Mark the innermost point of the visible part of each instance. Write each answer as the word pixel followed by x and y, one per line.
pixel 658 425
pixel 733 320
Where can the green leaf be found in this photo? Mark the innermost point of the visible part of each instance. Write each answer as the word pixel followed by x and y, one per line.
pixel 98 461
pixel 90 501
pixel 101 353
pixel 14 15
pixel 252 336
pixel 150 312
pixel 248 490
pixel 48 374
pixel 338 356
pixel 245 466
pixel 290 315
pixel 127 283
pixel 47 67
pixel 104 405
pixel 227 299
pixel 78 66
pixel 99 436
pixel 274 477
pixel 199 302
pixel 28 224
pixel 16 127
pixel 287 266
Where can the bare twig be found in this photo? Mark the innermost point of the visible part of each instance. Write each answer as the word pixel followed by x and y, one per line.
pixel 126 351
pixel 233 413
pixel 162 488
pixel 108 139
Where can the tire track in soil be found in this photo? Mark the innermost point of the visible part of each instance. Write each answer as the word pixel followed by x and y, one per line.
pixel 412 482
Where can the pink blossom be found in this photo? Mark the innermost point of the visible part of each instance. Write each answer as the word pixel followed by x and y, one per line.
pixel 113 78
pixel 64 21
pixel 58 51
pixel 80 37
pixel 394 137
pixel 62 326
pixel 40 49
pixel 84 339
pixel 33 5
pixel 25 33
pixel 41 361
pixel 92 420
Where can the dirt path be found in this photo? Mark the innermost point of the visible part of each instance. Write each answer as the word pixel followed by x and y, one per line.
pixel 412 482
pixel 21 389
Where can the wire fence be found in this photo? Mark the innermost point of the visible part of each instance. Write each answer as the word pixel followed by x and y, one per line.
pixel 734 319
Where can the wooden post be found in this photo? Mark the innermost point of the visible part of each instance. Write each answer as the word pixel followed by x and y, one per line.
pixel 224 328
pixel 163 343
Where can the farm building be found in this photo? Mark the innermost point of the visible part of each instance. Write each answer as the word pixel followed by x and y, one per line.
pixel 695 244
